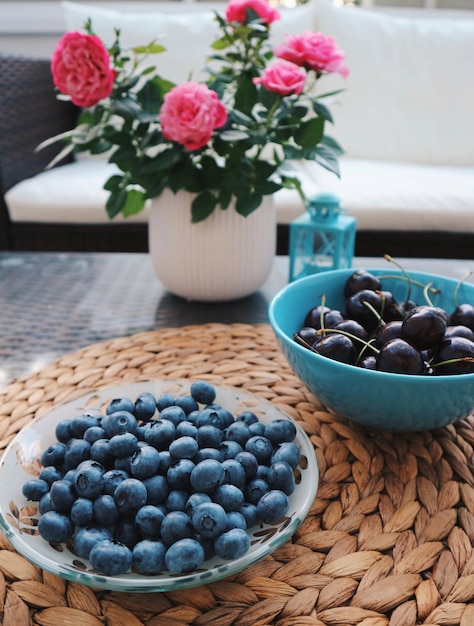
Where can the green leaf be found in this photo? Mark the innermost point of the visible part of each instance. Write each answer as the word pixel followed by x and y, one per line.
pixel 151 48
pixel 202 206
pixel 135 202
pixel 116 202
pixel 162 161
pixel 248 203
pixel 113 183
pixel 310 133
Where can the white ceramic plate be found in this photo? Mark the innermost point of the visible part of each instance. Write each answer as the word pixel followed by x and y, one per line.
pixel 18 517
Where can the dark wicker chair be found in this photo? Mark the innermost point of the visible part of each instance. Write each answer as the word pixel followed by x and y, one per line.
pixel 30 113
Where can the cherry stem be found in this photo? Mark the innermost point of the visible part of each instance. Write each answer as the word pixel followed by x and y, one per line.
pixel 378 315
pixel 390 259
pixel 302 342
pixel 458 286
pixel 321 311
pixel 461 359
pixel 425 293
pixel 367 344
pixel 412 281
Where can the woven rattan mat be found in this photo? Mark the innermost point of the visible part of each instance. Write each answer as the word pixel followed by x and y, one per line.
pixel 388 541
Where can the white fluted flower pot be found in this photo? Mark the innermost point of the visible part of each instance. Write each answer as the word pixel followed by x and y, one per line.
pixel 224 257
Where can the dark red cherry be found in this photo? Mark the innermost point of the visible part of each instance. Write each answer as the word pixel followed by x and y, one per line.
pixel 330 317
pixel 309 335
pixel 459 331
pixel 361 307
pixel 454 356
pixel 337 347
pixel 399 357
pixel 353 328
pixel 391 330
pixel 424 326
pixel 462 315
pixel 359 280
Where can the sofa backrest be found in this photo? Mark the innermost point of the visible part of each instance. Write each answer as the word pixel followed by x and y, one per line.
pixel 410 92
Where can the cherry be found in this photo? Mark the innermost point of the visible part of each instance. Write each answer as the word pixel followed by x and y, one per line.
pixel 366 307
pixel 454 356
pixel 424 326
pixel 330 317
pixel 400 357
pixel 463 315
pixel 337 347
pixel 359 280
pixel 309 335
pixel 391 330
pixel 459 331
pixel 353 328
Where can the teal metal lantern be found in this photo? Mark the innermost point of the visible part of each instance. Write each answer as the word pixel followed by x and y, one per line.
pixel 322 239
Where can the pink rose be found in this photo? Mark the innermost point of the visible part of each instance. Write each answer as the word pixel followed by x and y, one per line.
pixel 314 51
pixel 282 77
pixel 80 66
pixel 236 11
pixel 190 113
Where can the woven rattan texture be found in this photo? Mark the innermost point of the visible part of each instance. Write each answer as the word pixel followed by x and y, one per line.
pixel 388 540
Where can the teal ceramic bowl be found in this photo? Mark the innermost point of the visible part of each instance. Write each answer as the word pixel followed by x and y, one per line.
pixel 378 400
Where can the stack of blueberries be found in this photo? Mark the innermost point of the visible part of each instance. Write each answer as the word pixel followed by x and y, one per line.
pixel 163 483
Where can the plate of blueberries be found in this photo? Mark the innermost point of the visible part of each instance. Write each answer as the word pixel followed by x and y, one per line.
pixel 157 485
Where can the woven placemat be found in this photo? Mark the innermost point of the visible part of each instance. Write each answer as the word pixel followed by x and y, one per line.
pixel 388 540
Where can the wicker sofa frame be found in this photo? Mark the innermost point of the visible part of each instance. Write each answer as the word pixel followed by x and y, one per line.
pixel 30 113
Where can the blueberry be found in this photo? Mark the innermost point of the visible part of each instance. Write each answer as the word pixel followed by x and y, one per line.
pixel 55 527
pixel 211 417
pixel 208 453
pixel 194 500
pixel 86 538
pixel 207 475
pixel 119 422
pixel 120 404
pixel 105 510
pixel 230 449
pixel 164 401
pixel 255 489
pixel 262 472
pixel 50 474
pixel 249 511
pixel 176 500
pixel 186 429
pixel 126 532
pixel 280 430
pixel 185 555
pixel 280 476
pixel 209 519
pixel 129 496
pixel 145 462
pixel 77 450
pixel 45 504
pixel 179 474
pixel 63 430
pixel 176 525
pixel 187 403
pixel 234 473
pixel 100 452
pixel 148 557
pixel 157 489
pixel 238 431
pixel 123 444
pixel 229 497
pixel 148 520
pixel 260 447
pixel 288 452
pixel 145 406
pixel 81 423
pixel 248 417
pixel 63 494
pixel 183 448
pixel 235 519
pixel 248 462
pixel 174 414
pixel 112 478
pixel 110 558
pixel 272 506
pixel 159 433
pixel 123 464
pixel 89 480
pixel 94 433
pixel 232 544
pixel 209 436
pixel 203 392
pixel 81 512
pixel 34 489
pixel 257 429
pixel 54 454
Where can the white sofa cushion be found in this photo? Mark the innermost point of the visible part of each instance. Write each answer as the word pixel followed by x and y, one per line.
pixel 186 32
pixel 410 92
pixel 381 195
